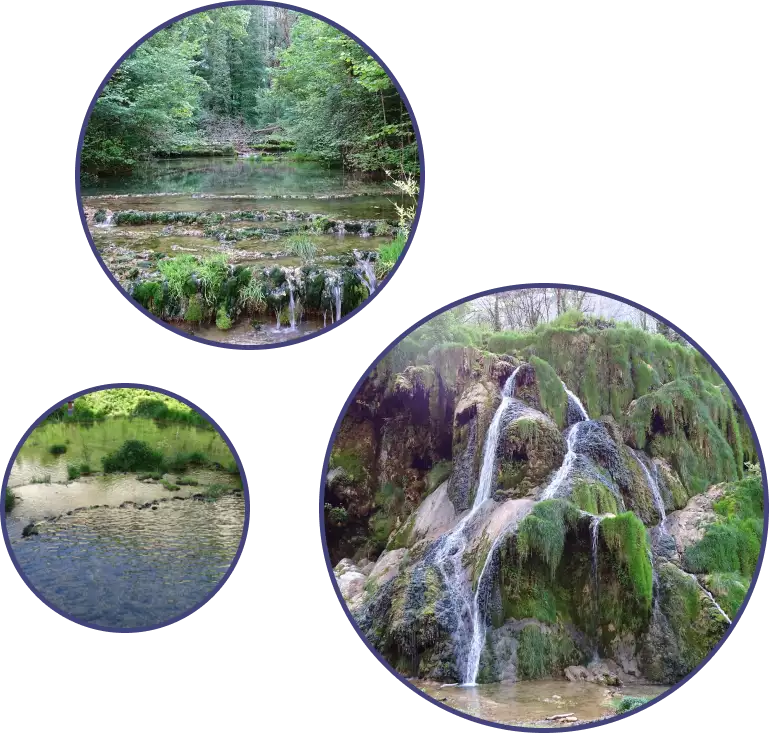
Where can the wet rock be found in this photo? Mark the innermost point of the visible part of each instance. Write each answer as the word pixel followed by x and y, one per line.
pixel 30 530
pixel 687 526
pixel 349 579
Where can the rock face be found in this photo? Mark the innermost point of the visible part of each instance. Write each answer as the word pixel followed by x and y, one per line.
pixel 531 448
pixel 566 561
pixel 686 625
pixel 687 526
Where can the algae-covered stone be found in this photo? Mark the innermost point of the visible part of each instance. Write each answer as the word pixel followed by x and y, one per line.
pixel 684 629
pixel 531 448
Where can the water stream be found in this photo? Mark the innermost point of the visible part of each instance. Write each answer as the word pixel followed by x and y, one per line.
pixel 655 490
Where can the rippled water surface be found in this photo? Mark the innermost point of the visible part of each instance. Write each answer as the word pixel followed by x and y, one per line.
pixel 130 567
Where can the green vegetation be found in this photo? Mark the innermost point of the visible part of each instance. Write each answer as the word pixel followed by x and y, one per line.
pixel 544 653
pixel 75 471
pixel 625 536
pixel 593 497
pixel 543 532
pixel 150 475
pixel 626 702
pixel 303 248
pixel 126 402
pixel 133 455
pixel 551 391
pixel 693 424
pixel 10 499
pixel 57 449
pixel 439 473
pixel 728 552
pixel 205 84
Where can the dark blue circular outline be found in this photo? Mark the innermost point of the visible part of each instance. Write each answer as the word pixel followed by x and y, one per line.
pixel 405 681
pixel 246 496
pixel 319 332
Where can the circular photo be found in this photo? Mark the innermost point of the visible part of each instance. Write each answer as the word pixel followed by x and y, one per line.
pixel 249 175
pixel 125 508
pixel 543 507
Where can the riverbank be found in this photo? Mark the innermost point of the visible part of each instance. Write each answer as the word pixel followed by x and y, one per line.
pixel 537 703
pixel 246 251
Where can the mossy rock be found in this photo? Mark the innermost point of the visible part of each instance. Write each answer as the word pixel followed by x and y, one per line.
pixel 531 448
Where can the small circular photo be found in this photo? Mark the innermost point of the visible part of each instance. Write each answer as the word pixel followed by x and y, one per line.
pixel 124 508
pixel 249 175
pixel 543 507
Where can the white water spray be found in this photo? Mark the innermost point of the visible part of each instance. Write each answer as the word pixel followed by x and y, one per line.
pixel 576 401
pixel 710 595
pixel 563 471
pixel 367 272
pixel 291 311
pixel 655 489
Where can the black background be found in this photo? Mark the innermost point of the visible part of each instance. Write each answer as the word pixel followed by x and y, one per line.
pixel 666 212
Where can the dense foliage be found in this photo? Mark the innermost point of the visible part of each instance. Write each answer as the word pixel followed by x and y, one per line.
pixel 209 81
pixel 128 402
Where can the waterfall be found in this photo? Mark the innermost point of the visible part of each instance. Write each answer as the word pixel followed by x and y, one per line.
pixel 490 446
pixel 655 489
pixel 291 312
pixel 277 318
pixel 710 595
pixel 595 525
pixel 336 289
pixel 485 483
pixel 366 270
pixel 563 471
pixel 324 318
pixel 574 400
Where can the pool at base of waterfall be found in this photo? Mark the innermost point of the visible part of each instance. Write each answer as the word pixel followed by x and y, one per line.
pixel 533 702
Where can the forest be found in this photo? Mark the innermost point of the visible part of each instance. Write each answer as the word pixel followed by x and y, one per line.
pixel 250 174
pixel 215 79
pixel 545 491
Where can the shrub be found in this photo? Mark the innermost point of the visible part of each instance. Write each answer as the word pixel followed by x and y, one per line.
pixel 57 449
pixel 223 321
pixel 626 702
pixel 100 216
pixel 181 461
pixel 133 455
pixel 10 499
pixel 303 248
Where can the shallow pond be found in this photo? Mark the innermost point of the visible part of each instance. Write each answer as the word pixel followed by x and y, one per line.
pixel 232 175
pixel 531 702
pixel 90 442
pixel 130 567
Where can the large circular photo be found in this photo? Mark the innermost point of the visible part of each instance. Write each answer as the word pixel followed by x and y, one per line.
pixel 543 507
pixel 249 174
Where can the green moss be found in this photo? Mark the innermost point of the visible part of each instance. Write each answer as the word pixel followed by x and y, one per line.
pixel 223 321
pixel 543 532
pixel 439 473
pixel 350 462
pixel 593 497
pixel 551 391
pixel 10 499
pixel 729 589
pixel 526 593
pixel 168 485
pixel 625 536
pixel 194 312
pixel 147 475
pixel 627 702
pixel 544 654
pixel 402 537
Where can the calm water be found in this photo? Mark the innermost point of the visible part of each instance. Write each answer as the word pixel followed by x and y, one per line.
pixel 231 175
pixel 130 568
pixel 531 702
pixel 89 443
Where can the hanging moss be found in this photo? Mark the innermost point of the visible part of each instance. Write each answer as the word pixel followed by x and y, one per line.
pixel 551 391
pixel 593 497
pixel 544 653
pixel 625 536
pixel 543 532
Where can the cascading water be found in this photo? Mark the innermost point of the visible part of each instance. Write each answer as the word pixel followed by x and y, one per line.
pixel 563 471
pixel 291 312
pixel 655 490
pixel 575 402
pixel 710 595
pixel 367 271
pixel 595 525
pixel 337 291
pixel 485 483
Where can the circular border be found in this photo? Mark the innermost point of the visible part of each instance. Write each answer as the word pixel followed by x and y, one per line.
pixel 246 496
pixel 330 568
pixel 319 332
